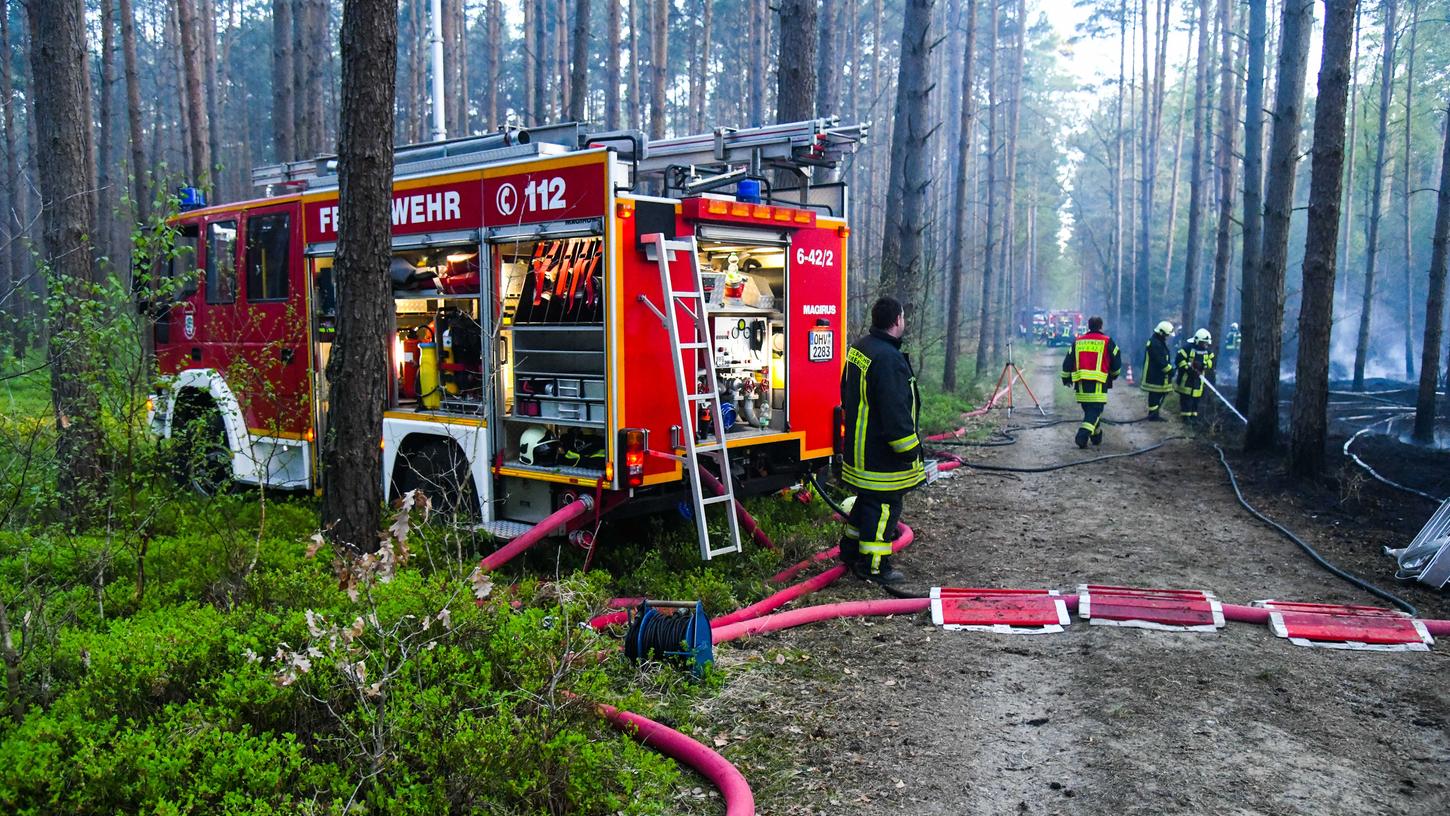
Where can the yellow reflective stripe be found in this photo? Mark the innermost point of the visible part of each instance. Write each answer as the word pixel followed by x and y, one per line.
pixel 866 480
pixel 875 547
pixel 1091 376
pixel 863 411
pixel 883 475
pixel 852 532
pixel 881 523
pixel 904 444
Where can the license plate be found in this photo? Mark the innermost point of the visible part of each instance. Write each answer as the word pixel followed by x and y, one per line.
pixel 823 345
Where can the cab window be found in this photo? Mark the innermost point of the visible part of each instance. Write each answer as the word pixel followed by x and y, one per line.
pixel 183 263
pixel 221 262
pixel 268 270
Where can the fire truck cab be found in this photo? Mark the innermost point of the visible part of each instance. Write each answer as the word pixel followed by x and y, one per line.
pixel 529 363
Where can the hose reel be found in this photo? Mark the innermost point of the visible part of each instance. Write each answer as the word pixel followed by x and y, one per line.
pixel 675 632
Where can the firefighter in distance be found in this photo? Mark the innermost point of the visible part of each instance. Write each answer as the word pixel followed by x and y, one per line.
pixel 1090 367
pixel 1195 360
pixel 1158 371
pixel 882 451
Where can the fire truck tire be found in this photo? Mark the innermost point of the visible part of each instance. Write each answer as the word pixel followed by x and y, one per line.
pixel 437 467
pixel 203 460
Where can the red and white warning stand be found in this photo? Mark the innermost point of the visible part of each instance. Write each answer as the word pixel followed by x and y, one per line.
pixel 1171 610
pixel 1003 611
pixel 1332 626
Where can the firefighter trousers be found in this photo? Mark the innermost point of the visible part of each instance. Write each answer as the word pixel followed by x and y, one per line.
pixel 1092 423
pixel 1155 401
pixel 871 527
pixel 1188 406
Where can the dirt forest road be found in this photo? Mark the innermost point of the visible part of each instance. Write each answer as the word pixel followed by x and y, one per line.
pixel 895 716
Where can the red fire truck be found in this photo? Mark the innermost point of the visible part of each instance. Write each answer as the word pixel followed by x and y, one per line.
pixel 533 354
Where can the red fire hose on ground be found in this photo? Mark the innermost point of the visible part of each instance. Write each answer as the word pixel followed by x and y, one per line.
pixel 538 532
pixel 739 801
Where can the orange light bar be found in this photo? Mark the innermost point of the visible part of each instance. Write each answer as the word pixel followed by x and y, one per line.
pixel 717 206
pixel 803 216
pixel 740 209
pixel 782 214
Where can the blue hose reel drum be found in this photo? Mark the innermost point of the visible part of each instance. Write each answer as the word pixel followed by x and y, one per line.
pixel 682 637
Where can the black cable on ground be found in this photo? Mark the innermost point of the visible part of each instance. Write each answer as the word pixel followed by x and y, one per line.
pixel 1406 606
pixel 1061 465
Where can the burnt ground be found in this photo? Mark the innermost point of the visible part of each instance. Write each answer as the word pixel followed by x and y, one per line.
pixel 894 716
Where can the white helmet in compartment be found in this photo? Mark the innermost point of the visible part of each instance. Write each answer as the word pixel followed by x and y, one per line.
pixel 537 448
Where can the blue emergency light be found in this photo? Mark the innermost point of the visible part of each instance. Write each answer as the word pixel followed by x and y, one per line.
pixel 190 198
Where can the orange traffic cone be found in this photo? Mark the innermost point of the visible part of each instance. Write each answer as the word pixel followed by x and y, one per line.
pixel 1130 375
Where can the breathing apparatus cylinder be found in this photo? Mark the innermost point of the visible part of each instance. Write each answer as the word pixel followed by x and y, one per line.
pixel 428 392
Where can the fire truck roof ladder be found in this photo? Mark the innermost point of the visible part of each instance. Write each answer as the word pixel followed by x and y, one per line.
pixel 732 154
pixel 692 303
pixel 415 159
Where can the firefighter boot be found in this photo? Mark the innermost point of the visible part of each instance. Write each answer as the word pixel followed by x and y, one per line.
pixel 1098 437
pixel 850 552
pixel 1082 438
pixel 884 574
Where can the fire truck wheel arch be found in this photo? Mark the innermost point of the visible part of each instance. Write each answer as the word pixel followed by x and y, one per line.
pixel 280 462
pixel 403 436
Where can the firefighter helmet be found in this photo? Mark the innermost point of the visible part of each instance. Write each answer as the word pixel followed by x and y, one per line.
pixel 1164 328
pixel 1202 336
pixel 537 448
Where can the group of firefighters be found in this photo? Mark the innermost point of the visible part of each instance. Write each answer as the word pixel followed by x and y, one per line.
pixel 1094 362
pixel 882 453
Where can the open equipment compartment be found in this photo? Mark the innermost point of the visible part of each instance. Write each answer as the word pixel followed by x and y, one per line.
pixel 744 276
pixel 551 352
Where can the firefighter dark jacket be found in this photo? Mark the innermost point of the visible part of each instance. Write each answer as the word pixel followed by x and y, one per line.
pixel 1192 363
pixel 1157 368
pixel 878 393
pixel 1091 365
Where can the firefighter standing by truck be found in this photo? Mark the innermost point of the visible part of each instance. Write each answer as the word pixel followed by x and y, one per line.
pixel 1195 360
pixel 1158 371
pixel 882 452
pixel 1090 367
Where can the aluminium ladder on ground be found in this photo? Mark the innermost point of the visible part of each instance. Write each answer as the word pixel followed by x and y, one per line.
pixel 700 347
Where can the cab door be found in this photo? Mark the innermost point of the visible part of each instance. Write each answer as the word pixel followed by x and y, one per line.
pixel 273 362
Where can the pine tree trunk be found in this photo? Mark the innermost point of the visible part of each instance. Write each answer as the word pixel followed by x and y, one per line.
pixel 659 62
pixel 1228 121
pixel 1196 174
pixel 760 23
pixel 1263 413
pixel 611 67
pixel 959 245
pixel 1143 306
pixel 827 71
pixel 1347 217
pixel 1376 203
pixel 561 59
pixel 493 101
pixel 1408 195
pixel 1009 204
pixel 196 125
pixel 141 197
pixel 206 11
pixel 985 330
pixel 635 100
pixel 706 35
pixel 901 246
pixel 1173 182
pixel 1253 201
pixel 10 218
pixel 531 57
pixel 579 80
pixel 61 108
pixel 1120 177
pixel 282 115
pixel 1434 305
pixel 105 196
pixel 352 496
pixel 795 90
pixel 1321 241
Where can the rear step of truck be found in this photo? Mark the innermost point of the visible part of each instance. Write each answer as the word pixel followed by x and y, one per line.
pixel 700 347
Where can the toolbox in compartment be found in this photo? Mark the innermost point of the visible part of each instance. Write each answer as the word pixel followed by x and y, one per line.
pixel 572 411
